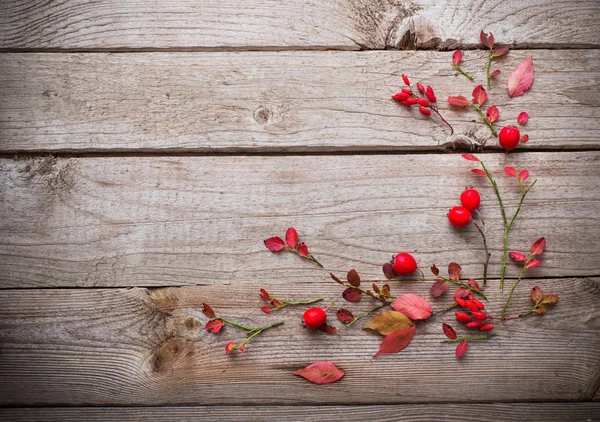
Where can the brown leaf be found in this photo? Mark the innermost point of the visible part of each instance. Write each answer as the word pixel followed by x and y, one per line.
pixel 337 280
pixel 461 349
pixel 388 271
pixel 291 237
pixel 327 329
pixel 387 322
pixel 439 288
pixel 538 246
pixel 435 270
pixel 550 299
pixel 541 309
pixel 275 244
pixel 537 295
pixel 321 372
pixel 454 270
pixel 494 73
pixel 449 331
pixel 385 290
pixel 396 341
pixel 345 316
pixel 208 311
pixel 376 288
pixel 353 278
pixel 214 325
pixel 413 306
pixel 501 50
pixel 351 294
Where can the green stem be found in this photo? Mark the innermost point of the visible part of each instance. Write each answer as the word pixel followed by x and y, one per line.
pixel 235 324
pixel 485 119
pixel 487 72
pixel 361 316
pixel 460 283
pixel 487 253
pixel 445 309
pixel 495 186
pixel 463 72
pixel 257 331
pixel 454 340
pixel 309 257
pixel 287 302
pixel 513 289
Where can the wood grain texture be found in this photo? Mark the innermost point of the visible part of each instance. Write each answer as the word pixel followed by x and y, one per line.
pixel 546 412
pixel 286 101
pixel 342 24
pixel 154 221
pixel 148 347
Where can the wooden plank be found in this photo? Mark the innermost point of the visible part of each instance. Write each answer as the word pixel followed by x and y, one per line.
pixel 343 24
pixel 558 412
pixel 286 101
pixel 153 221
pixel 148 347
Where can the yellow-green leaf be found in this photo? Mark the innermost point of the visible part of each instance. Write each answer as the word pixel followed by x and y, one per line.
pixel 387 322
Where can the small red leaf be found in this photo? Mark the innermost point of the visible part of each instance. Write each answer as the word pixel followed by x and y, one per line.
pixel 229 347
pixel 537 295
pixel 492 114
pixel 337 280
pixel 479 172
pixel 266 309
pixel 376 288
pixel 435 270
pixel 523 117
pixel 388 271
pixel 321 372
pixel 470 157
pixel 524 139
pixel 291 237
pixel 457 57
pixel 550 299
pixel 541 309
pixel 275 244
pixel 449 331
pixel 276 303
pixel 264 295
pixel 461 349
pixel 413 306
pixel 494 73
pixel 486 40
pixel 533 263
pixel 303 249
pixel 510 171
pixel 521 79
pixel 328 329
pixel 385 290
pixel 438 288
pixel 517 256
pixel 208 311
pixel 479 95
pixel 351 294
pixel 538 246
pixel 396 341
pixel 500 50
pixel 214 325
pixel 454 270
pixel 474 284
pixel 353 278
pixel 458 101
pixel 345 316
pixel 523 175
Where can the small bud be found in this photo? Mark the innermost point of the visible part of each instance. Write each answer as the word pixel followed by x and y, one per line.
pixel 266 309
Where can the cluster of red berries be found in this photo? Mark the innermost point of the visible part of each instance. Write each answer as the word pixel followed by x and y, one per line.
pixel 478 316
pixel 408 98
pixel 460 216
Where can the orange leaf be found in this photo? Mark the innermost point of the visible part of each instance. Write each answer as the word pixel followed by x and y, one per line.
pixel 387 322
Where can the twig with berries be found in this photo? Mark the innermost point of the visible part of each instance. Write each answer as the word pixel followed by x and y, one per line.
pixel 479 98
pixel 277 244
pixel 501 50
pixel 456 59
pixel 408 98
pixel 278 303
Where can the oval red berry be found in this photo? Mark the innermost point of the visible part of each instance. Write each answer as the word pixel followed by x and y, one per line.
pixel 314 318
pixel 509 137
pixel 459 216
pixel 404 264
pixel 470 199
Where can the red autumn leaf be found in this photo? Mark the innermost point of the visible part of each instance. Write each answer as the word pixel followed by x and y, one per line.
pixel 474 284
pixel 396 341
pixel 550 299
pixel 537 295
pixel 449 331
pixel 524 139
pixel 351 294
pixel 276 303
pixel 303 249
pixel 266 309
pixel 275 244
pixel 229 347
pixel 479 95
pixel 461 349
pixel 523 117
pixel 413 306
pixel 435 270
pixel 486 40
pixel 376 288
pixel 479 172
pixel 510 171
pixel 337 280
pixel 388 271
pixel 264 295
pixel 494 73
pixel 214 325
pixel 345 316
pixel 454 270
pixel 208 311
pixel 541 309
pixel 457 57
pixel 521 79
pixel 538 246
pixel 291 237
pixel 523 175
pixel 492 114
pixel 517 256
pixel 470 157
pixel 327 329
pixel 458 101
pixel 321 372
pixel 533 263
pixel 353 278
pixel 500 50
pixel 438 288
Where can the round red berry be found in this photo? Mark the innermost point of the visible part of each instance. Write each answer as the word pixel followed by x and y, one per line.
pixel 509 137
pixel 459 216
pixel 314 318
pixel 470 199
pixel 404 264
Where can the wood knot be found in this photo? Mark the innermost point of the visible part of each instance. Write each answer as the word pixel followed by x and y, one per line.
pixel 191 323
pixel 262 115
pixel 167 355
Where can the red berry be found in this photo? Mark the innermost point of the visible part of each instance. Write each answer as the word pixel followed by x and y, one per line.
pixel 471 306
pixel 463 317
pixel 477 303
pixel 404 264
pixel 481 316
pixel 407 91
pixel 411 101
pixel 401 96
pixel 487 327
pixel 314 318
pixel 405 79
pixel 430 94
pixel 509 137
pixel 459 216
pixel 425 111
pixel 423 102
pixel 470 199
pixel 420 87
pixel 475 324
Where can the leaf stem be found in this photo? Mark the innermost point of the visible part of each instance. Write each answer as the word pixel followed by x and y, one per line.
pixel 514 287
pixel 473 338
pixel 435 109
pixel 235 324
pixel 285 303
pixel 487 71
pixel 361 316
pixel 457 67
pixel 487 253
pixel 256 332
pixel 460 283
pixel 485 119
pixel 309 257
pixel 374 295
pixel 445 309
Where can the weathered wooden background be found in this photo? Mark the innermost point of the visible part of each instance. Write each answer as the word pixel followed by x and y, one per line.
pixel 148 148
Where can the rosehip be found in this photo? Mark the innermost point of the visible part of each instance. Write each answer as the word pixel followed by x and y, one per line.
pixel 425 111
pixel 463 317
pixel 404 264
pixel 459 216
pixel 481 316
pixel 509 137
pixel 314 318
pixel 475 324
pixel 470 199
pixel 477 303
pixel 487 327
pixel 423 102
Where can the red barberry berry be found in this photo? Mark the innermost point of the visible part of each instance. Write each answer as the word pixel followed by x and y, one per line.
pixel 475 324
pixel 411 101
pixel 405 79
pixel 404 264
pixel 407 91
pixel 463 317
pixel 314 318
pixel 480 306
pixel 430 94
pixel 459 216
pixel 470 199
pixel 425 111
pixel 487 327
pixel 481 316
pixel 509 137
pixel 471 306
pixel 401 96
pixel 422 102
pixel 420 87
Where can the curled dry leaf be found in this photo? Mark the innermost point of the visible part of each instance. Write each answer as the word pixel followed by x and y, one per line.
pixel 538 246
pixel 345 316
pixel 537 295
pixel 275 244
pixel 388 271
pixel 214 326
pixel 291 237
pixel 449 331
pixel 337 280
pixel 435 270
pixel 521 79
pixel 474 284
pixel 439 288
pixel 321 372
pixel 454 270
pixel 413 306
pixel 461 349
pixel 208 311
pixel 351 294
pixel 387 322
pixel 328 329
pixel 396 341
